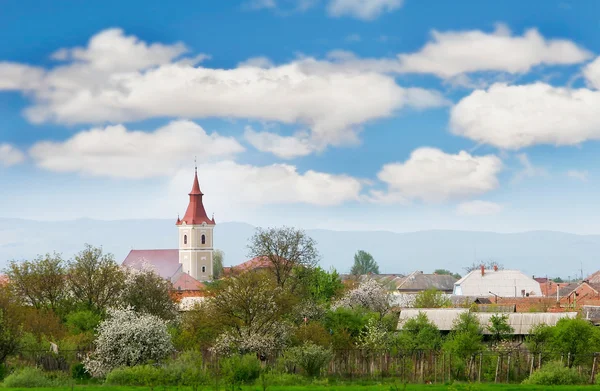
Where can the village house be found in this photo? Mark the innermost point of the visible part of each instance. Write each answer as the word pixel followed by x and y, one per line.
pixel 496 283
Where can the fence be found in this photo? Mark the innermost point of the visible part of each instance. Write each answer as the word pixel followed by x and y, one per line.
pixel 512 366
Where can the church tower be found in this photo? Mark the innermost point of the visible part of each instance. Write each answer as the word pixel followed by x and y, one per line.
pixel 196 237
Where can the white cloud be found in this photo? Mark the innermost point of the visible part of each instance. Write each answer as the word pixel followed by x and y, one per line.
pixel 10 156
pixel 456 52
pixel 242 184
pixel 432 175
pixel 514 117
pixel 581 175
pixel 453 54
pixel 118 78
pixel 115 151
pixel 285 147
pixel 19 77
pixel 592 73
pixel 528 170
pixel 362 9
pixel 478 208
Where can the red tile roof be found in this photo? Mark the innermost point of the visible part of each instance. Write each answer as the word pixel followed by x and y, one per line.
pixel 195 213
pixel 185 282
pixel 251 264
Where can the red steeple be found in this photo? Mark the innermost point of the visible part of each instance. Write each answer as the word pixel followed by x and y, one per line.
pixel 195 213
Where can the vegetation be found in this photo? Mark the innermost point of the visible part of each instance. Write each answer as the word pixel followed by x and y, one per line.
pixel 364 263
pixel 289 324
pixel 432 298
pixel 445 272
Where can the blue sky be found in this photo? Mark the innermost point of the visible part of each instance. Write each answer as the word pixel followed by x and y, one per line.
pixel 341 114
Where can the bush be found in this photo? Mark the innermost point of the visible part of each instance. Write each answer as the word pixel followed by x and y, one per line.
pixel 186 370
pixel 127 338
pixel 140 375
pixel 554 373
pixel 78 372
pixel 241 369
pixel 29 377
pixel 310 357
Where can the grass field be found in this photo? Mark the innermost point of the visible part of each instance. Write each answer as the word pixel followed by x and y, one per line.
pixel 373 387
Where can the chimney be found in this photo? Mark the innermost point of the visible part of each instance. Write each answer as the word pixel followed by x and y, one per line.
pixel 495 268
pixel 482 270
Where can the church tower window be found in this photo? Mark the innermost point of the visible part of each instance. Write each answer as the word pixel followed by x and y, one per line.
pixel 203 269
pixel 203 239
pixel 184 239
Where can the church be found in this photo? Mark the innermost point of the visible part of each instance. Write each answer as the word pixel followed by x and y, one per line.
pixel 192 263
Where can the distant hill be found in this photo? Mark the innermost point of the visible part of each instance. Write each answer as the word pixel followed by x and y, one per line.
pixel 537 253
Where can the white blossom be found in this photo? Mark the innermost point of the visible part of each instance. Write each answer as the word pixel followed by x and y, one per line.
pixel 369 294
pixel 128 338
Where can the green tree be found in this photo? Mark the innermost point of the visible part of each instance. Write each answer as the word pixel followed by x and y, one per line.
pixel 41 282
pixel 465 337
pixel 499 328
pixel 576 337
pixel 558 280
pixel 539 337
pixel 446 272
pixel 148 292
pixel 364 264
pixel 432 298
pixel 320 285
pixel 285 248
pixel 217 264
pixel 95 279
pixel 419 333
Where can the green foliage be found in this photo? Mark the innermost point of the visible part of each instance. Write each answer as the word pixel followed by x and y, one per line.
pixel 148 292
pixel 95 279
pixel 499 327
pixel 558 280
pixel 29 377
pixel 575 336
pixel 322 286
pixel 464 340
pixel 218 256
pixel 186 370
pixel 432 298
pixel 553 374
pixel 310 357
pixel 40 282
pixel 82 321
pixel 78 372
pixel 539 337
pixel 139 375
pixel 364 263
pixel 241 369
pixel 311 332
pixel 419 333
pixel 351 320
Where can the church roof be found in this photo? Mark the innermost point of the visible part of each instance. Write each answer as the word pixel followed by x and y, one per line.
pixel 165 263
pixel 195 213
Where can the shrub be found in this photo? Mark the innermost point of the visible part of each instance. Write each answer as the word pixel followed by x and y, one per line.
pixel 128 338
pixel 186 370
pixel 554 373
pixel 241 369
pixel 78 372
pixel 27 377
pixel 310 357
pixel 140 375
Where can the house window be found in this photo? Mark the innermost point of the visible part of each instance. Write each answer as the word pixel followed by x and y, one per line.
pixel 203 239
pixel 184 239
pixel 203 269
